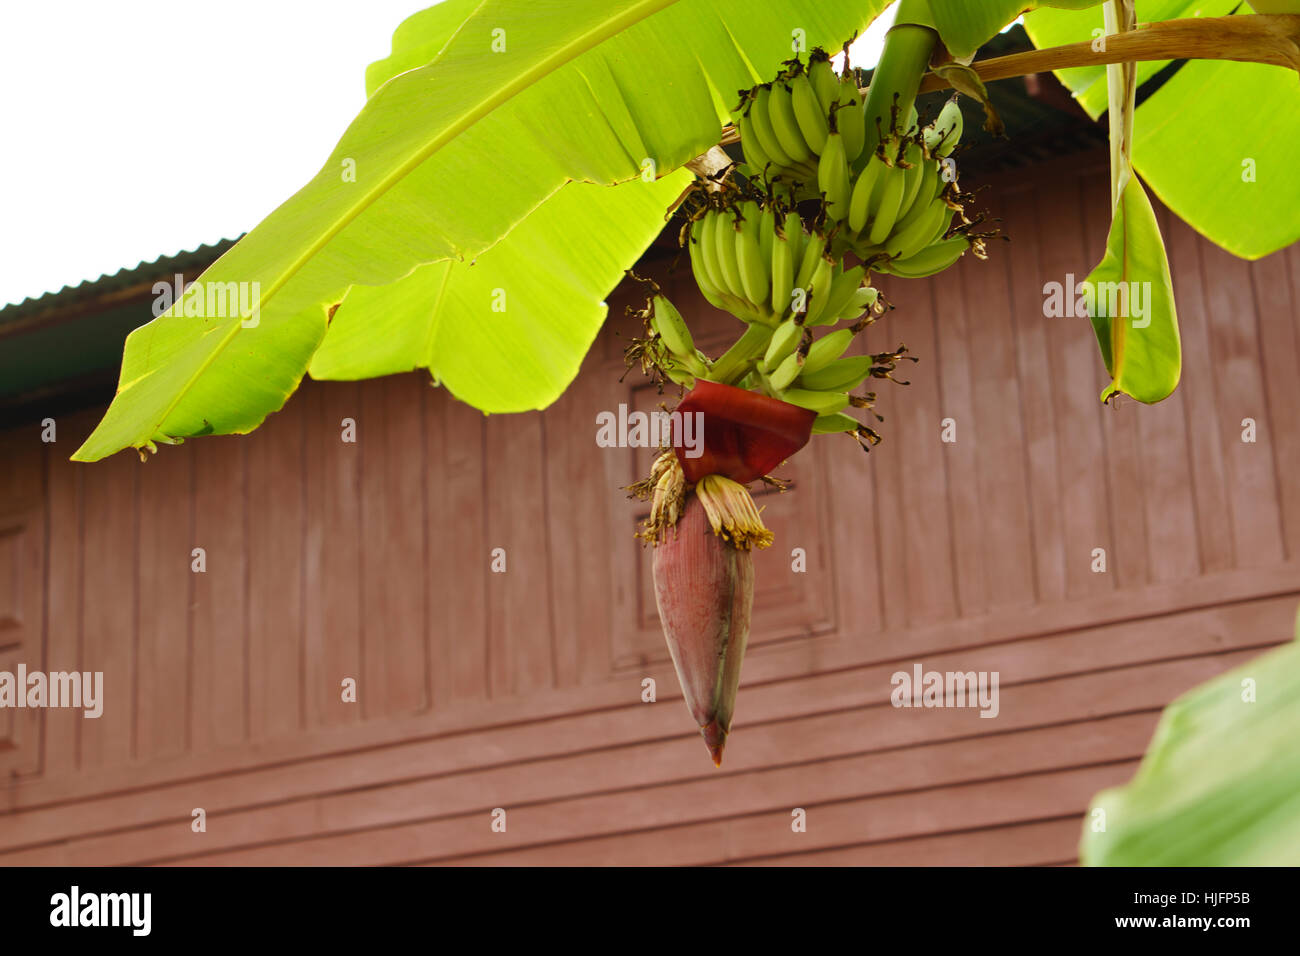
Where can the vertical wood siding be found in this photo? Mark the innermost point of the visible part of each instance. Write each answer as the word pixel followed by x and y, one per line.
pixel 328 561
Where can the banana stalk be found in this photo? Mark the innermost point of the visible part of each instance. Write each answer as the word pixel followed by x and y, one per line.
pixel 897 78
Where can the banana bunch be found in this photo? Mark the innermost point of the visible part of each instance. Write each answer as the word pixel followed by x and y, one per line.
pixel 679 359
pixel 785 125
pixel 896 212
pixel 751 257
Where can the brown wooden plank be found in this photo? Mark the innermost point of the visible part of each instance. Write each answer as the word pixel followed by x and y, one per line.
pixel 219 681
pixel 1078 375
pixel 918 457
pixel 997 430
pixel 1276 303
pixel 390 432
pixel 1184 616
pixel 458 550
pixel 332 554
pixel 166 495
pixel 63 601
pixel 961 457
pixel 1017 844
pixel 275 580
pixel 1251 480
pixel 878 732
pixel 1025 279
pixel 109 608
pixel 520 650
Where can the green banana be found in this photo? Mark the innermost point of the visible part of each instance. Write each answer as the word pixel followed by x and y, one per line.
pixel 827 349
pixel 834 424
pixel 841 294
pixel 761 119
pixel 833 177
pixel 929 261
pixel 825 83
pixel 784 341
pixel 889 207
pixel 908 242
pixel 813 252
pixel 920 166
pixel 851 118
pixel 786 372
pixel 818 290
pixel 863 299
pixel 808 113
pixel 767 232
pixel 780 111
pixel 757 160
pixel 670 325
pixel 823 403
pixel 725 248
pixel 863 187
pixel 783 267
pixel 699 268
pixel 842 375
pixel 942 138
pixel 738 360
pixel 753 269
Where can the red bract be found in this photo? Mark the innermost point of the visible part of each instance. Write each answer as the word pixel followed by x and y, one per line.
pixel 746 435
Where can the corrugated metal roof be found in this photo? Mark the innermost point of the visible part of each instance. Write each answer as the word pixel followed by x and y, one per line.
pixel 124 278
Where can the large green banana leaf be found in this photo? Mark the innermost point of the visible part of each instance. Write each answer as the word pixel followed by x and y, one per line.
pixel 515 99
pixel 1220 783
pixel 1216 142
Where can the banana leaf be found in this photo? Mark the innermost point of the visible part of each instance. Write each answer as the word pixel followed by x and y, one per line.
pixel 1220 782
pixel 482 115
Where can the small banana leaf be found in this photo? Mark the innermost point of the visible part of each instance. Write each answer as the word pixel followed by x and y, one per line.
pixel 1142 352
pixel 1220 783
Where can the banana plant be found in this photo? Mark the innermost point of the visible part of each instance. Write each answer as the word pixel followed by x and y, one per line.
pixel 507 170
pixel 572 138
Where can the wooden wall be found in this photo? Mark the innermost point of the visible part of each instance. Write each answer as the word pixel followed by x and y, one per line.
pixel 522 690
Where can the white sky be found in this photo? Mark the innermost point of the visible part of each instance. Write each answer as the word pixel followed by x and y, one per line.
pixel 137 128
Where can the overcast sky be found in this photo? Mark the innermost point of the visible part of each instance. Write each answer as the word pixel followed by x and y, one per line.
pixel 139 128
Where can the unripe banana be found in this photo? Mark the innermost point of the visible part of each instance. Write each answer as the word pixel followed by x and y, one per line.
pixel 834 424
pixel 707 249
pixel 813 253
pixel 783 269
pixel 761 119
pixel 842 375
pixel 784 341
pixel 920 167
pixel 852 118
pixel 833 177
pixel 842 291
pixel 808 113
pixel 827 349
pixel 818 290
pixel 755 158
pixel 753 269
pixel 863 299
pixel 780 111
pixel 942 138
pixel 698 268
pixel 670 325
pixel 823 403
pixel 863 187
pixel 786 372
pixel 890 206
pixel 929 261
pixel 824 82
pixel 917 235
pixel 725 249
pixel 767 232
